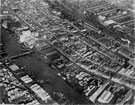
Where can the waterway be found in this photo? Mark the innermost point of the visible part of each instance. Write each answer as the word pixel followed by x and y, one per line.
pixel 41 70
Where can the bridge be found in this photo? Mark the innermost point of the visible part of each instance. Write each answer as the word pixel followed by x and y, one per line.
pixel 18 56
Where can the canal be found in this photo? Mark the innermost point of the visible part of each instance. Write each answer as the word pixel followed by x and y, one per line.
pixel 41 70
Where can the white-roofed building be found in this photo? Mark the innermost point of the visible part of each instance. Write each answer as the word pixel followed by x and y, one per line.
pixel 25 35
pixel 101 18
pixel 109 22
pixel 28 38
pixel 14 67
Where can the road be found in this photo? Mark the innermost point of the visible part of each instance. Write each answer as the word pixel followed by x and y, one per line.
pixel 106 31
